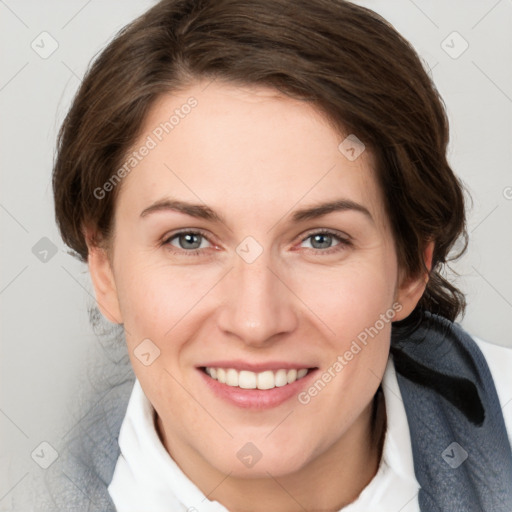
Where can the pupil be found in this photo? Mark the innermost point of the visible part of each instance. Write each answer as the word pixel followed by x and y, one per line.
pixel 189 238
pixel 319 238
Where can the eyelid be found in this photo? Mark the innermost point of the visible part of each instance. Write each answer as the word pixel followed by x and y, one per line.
pixel 173 234
pixel 340 234
pixel 344 239
pixel 196 231
pixel 344 236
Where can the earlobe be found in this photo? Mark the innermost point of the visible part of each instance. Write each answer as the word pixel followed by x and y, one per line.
pixel 103 281
pixel 410 291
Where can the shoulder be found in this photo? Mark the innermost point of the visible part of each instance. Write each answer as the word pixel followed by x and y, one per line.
pixel 499 360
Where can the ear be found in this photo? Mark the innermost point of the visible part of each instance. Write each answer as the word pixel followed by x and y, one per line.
pixel 102 277
pixel 410 290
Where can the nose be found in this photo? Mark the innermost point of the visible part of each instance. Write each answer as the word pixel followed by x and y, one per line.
pixel 259 305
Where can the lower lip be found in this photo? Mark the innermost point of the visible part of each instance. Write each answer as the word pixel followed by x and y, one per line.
pixel 257 398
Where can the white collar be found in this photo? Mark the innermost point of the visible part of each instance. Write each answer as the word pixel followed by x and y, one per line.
pixel 147 478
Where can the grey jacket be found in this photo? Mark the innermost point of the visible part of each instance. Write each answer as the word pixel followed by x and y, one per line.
pixel 462 455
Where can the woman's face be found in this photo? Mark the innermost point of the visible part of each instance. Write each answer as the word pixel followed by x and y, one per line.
pixel 240 266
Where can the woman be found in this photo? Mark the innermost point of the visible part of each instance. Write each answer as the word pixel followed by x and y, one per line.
pixel 262 196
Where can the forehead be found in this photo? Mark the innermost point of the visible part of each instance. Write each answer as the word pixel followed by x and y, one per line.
pixel 246 148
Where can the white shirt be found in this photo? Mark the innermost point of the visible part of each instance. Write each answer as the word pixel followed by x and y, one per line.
pixel 147 478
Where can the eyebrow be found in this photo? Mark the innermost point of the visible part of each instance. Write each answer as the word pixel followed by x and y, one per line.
pixel 201 211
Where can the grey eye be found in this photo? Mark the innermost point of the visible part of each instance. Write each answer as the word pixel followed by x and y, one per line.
pixel 321 240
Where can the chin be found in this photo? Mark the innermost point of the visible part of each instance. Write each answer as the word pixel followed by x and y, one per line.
pixel 258 459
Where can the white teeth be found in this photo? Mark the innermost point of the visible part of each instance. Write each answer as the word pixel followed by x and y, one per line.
pixel 301 373
pixel 291 376
pixel 281 379
pixel 232 377
pixel 245 379
pixel 266 380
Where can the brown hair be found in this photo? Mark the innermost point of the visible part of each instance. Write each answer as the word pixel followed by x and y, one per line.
pixel 345 59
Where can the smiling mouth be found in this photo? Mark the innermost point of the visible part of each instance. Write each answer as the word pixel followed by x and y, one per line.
pixel 245 379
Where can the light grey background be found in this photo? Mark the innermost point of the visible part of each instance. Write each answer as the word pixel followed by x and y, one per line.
pixel 47 343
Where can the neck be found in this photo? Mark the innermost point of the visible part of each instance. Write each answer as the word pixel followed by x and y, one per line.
pixel 330 482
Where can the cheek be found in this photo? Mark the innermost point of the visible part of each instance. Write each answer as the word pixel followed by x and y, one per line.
pixel 154 297
pixel 354 305
pixel 351 297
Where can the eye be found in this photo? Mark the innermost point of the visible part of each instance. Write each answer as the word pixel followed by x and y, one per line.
pixel 322 241
pixel 190 242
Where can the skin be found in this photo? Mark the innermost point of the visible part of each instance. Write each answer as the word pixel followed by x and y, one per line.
pixel 255 157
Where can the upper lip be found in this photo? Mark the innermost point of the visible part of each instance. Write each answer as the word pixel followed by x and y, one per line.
pixel 240 365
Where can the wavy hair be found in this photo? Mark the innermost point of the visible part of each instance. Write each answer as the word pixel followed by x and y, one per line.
pixel 346 60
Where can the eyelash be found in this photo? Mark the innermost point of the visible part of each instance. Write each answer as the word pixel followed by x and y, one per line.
pixel 344 242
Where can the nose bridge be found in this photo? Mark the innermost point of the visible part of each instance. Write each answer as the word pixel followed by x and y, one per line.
pixel 258 304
